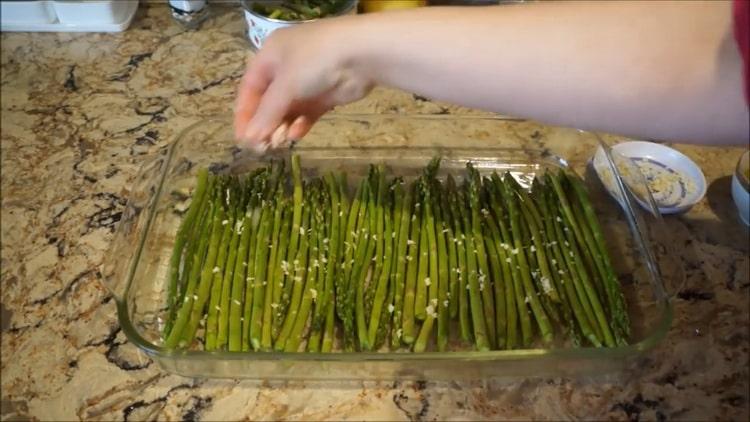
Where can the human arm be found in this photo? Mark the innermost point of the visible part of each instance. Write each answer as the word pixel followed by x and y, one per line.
pixel 645 69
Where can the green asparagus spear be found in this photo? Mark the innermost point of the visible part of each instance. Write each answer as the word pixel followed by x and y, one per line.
pixel 377 234
pixel 266 342
pixel 595 240
pixel 359 241
pixel 530 293
pixel 584 288
pixel 179 252
pixel 486 290
pixel 183 314
pixel 310 292
pixel 281 271
pixel 381 288
pixel 259 214
pixel 476 308
pixel 212 322
pixel 412 262
pixel 403 205
pixel 319 297
pixel 423 257
pixel 433 281
pixel 222 336
pixel 363 265
pixel 581 311
pixel 462 271
pixel 300 273
pixel 207 274
pixel 441 237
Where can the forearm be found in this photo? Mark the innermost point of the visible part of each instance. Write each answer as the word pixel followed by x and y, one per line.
pixel 670 71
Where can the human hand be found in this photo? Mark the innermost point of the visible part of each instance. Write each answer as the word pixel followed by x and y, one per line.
pixel 300 73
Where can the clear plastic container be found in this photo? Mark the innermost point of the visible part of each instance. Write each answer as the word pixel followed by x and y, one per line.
pixel 140 253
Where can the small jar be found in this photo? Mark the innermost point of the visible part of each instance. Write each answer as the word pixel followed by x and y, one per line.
pixel 189 13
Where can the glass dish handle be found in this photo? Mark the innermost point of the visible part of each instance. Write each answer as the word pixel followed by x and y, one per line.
pixel 635 184
pixel 127 244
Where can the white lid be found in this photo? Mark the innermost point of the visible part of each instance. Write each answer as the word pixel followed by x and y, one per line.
pixel 675 181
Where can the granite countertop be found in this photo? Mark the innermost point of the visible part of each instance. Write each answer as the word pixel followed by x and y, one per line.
pixel 81 113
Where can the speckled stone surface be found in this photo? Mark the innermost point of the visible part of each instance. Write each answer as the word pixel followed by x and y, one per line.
pixel 81 112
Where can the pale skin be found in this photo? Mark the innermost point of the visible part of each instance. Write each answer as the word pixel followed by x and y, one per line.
pixel 653 70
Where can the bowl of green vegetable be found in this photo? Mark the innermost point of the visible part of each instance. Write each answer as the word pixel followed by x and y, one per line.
pixel 264 17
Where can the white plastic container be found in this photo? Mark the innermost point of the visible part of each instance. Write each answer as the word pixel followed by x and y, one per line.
pixel 67 15
pixel 27 11
pixel 78 12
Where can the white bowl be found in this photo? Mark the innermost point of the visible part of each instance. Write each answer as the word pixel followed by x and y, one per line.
pixel 260 27
pixel 675 181
pixel 741 188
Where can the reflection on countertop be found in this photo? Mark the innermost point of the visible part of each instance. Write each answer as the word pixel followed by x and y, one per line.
pixel 81 113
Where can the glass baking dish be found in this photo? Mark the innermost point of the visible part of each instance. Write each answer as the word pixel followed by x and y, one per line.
pixel 140 253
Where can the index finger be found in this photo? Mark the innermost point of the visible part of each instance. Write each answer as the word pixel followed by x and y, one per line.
pixel 253 85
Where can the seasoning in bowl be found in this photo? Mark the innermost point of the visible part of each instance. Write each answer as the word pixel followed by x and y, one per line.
pixel 676 183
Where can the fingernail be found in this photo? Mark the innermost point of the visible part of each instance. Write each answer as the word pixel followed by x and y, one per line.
pixel 279 135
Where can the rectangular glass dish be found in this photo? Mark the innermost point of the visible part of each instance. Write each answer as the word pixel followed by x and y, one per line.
pixel 140 253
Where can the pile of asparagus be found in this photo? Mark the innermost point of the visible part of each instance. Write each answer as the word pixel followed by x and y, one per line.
pixel 426 265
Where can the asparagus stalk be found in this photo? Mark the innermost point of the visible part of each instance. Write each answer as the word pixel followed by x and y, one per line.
pixel 476 308
pixel 462 271
pixel 218 278
pixel 378 235
pixel 528 287
pixel 583 285
pixel 328 335
pixel 486 290
pixel 534 223
pixel 319 296
pixel 239 276
pixel 516 305
pixel 385 238
pixel 423 259
pixel 281 271
pixel 183 314
pixel 496 247
pixel 259 215
pixel 309 292
pixel 582 312
pixel 207 273
pixel 595 240
pixel 443 285
pixel 359 245
pixel 569 322
pixel 222 336
pixel 266 341
pixel 432 283
pixel 260 283
pixel 294 234
pixel 450 244
pixel 362 265
pixel 403 217
pixel 179 252
pixel 541 283
pixel 331 262
pixel 412 263
pixel 299 268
